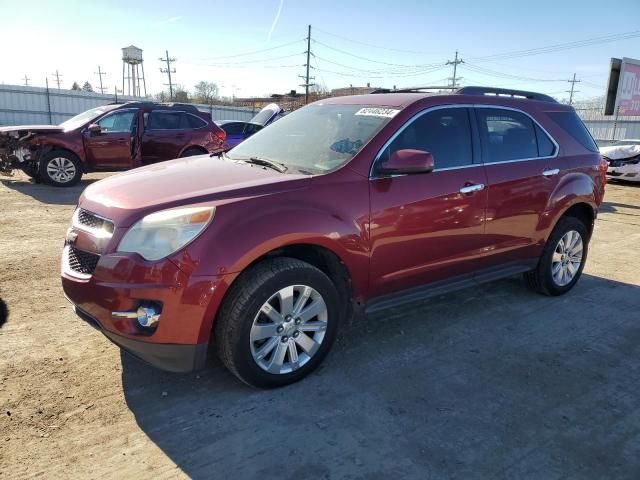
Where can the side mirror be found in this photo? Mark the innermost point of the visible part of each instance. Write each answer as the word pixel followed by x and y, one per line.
pixel 94 128
pixel 407 161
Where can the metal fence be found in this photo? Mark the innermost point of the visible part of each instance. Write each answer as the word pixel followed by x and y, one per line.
pixel 21 105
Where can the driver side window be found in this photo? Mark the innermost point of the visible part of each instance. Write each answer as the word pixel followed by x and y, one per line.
pixel 445 133
pixel 121 121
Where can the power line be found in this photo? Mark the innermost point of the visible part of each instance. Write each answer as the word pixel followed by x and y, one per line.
pixel 494 73
pixel 366 70
pixel 572 91
pixel 559 46
pixel 246 62
pixel 363 58
pixel 256 51
pixel 371 45
pixel 100 73
pixel 168 71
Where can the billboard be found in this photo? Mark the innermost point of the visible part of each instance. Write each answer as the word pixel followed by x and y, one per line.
pixel 623 91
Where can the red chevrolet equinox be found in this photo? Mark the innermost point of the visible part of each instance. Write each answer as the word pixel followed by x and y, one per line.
pixel 350 203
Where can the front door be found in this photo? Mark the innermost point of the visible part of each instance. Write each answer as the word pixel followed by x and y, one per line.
pixel 113 147
pixel 522 172
pixel 428 227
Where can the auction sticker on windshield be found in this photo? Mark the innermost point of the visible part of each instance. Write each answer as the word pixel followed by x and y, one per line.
pixel 378 112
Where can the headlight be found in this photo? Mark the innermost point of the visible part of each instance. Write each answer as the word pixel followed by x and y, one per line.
pixel 160 234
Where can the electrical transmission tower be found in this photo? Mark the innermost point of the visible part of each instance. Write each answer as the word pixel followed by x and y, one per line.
pixel 572 91
pixel 57 75
pixel 168 71
pixel 26 80
pixel 100 73
pixel 307 79
pixel 455 63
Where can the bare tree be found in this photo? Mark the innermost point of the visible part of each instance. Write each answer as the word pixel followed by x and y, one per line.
pixel 206 92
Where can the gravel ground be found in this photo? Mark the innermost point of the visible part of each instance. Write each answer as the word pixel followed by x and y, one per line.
pixel 491 382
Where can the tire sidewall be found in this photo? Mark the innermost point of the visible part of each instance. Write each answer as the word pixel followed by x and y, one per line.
pixel 564 225
pixel 248 369
pixel 44 162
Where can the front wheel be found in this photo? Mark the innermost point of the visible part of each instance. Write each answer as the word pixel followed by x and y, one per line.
pixel 562 260
pixel 277 323
pixel 60 169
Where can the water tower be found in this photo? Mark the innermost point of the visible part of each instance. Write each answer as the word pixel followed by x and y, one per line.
pixel 132 63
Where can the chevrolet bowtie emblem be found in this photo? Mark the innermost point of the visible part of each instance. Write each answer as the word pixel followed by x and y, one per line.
pixel 72 235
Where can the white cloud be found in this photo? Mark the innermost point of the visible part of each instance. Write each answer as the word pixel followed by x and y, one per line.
pixel 275 20
pixel 168 20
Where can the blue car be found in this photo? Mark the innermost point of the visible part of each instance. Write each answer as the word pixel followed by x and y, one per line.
pixel 237 130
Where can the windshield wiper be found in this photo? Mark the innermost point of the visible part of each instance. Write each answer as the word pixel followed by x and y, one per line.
pixel 265 162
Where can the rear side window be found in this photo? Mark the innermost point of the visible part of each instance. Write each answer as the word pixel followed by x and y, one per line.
pixel 191 121
pixel 445 133
pixel 506 135
pixel 159 120
pixel 571 123
pixel 546 148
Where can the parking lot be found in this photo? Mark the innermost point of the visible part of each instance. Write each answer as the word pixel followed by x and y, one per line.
pixel 492 382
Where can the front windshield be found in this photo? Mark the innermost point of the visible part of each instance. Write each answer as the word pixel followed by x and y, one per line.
pixel 83 118
pixel 316 139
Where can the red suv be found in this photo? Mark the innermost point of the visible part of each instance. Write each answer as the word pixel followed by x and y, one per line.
pixel 111 137
pixel 361 202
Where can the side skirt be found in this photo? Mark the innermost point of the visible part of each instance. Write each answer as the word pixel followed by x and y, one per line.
pixel 442 287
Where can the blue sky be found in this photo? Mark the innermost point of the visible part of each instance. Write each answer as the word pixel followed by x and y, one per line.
pixel 401 43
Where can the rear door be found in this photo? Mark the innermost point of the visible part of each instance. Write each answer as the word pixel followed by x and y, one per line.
pixel 166 134
pixel 423 227
pixel 523 169
pixel 114 145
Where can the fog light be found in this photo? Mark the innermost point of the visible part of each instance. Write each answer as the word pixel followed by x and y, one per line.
pixel 147 316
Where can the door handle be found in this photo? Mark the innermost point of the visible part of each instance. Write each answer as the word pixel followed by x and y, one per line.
pixel 550 172
pixel 476 187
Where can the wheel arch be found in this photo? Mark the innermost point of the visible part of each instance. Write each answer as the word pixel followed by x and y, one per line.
pixel 193 147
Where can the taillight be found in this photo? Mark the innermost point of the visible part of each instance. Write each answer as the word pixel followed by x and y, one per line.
pixel 220 135
pixel 603 167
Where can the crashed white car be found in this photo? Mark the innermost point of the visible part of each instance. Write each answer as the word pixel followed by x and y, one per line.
pixel 623 159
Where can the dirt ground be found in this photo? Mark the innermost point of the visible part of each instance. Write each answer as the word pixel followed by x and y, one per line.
pixel 491 382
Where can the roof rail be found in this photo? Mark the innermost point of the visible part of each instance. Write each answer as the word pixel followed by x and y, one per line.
pixel 505 92
pixel 184 106
pixel 409 90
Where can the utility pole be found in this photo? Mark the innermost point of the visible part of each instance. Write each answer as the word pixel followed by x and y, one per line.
pixel 455 64
pixel 572 91
pixel 307 78
pixel 168 71
pixel 57 75
pixel 26 80
pixel 100 73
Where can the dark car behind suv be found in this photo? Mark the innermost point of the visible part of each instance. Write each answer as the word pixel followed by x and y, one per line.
pixel 360 202
pixel 110 137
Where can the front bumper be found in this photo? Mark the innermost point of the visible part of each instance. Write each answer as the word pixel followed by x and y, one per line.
pixel 169 357
pixel 122 282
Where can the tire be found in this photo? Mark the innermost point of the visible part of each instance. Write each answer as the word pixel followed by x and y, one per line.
pixel 60 168
pixel 243 332
pixel 192 152
pixel 547 277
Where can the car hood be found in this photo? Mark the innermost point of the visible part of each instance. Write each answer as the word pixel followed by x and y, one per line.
pixel 33 129
pixel 127 196
pixel 618 152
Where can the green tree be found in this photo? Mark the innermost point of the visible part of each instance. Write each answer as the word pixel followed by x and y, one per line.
pixel 87 87
pixel 75 86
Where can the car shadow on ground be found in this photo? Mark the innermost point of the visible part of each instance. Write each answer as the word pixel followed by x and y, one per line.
pixel 46 193
pixel 493 381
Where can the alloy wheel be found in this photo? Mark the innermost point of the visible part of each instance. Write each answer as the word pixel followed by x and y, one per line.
pixel 567 258
pixel 289 329
pixel 61 169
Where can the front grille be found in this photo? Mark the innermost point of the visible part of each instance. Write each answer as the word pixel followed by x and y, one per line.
pixel 82 262
pixel 93 222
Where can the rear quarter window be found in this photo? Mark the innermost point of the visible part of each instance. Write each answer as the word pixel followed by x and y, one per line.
pixel 571 123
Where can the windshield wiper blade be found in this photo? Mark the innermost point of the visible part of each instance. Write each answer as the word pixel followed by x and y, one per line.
pixel 265 162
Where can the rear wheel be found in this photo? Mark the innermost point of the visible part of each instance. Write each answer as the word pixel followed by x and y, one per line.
pixel 192 152
pixel 60 168
pixel 277 323
pixel 562 260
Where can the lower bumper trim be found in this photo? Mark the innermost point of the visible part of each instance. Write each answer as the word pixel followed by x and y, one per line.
pixel 165 356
